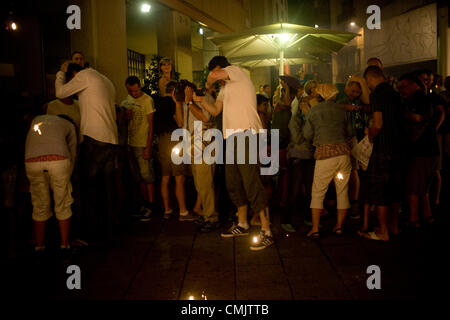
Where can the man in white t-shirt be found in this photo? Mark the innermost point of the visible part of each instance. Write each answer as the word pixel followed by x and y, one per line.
pixel 237 99
pixel 96 97
pixel 140 109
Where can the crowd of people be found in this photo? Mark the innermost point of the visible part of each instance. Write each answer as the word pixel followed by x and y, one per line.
pixel 90 161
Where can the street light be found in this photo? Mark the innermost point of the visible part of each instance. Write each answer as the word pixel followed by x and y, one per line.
pixel 316 26
pixel 145 7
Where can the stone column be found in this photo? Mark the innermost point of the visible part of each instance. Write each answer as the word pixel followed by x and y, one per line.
pixel 103 39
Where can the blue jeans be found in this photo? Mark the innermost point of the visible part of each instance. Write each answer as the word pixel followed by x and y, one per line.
pixel 98 191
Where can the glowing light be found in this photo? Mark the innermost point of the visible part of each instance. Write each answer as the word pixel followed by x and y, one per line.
pixel 145 7
pixel 255 239
pixel 316 26
pixel 340 176
pixel 191 297
pixel 287 235
pixel 36 128
pixel 352 24
pixel 284 37
pixel 13 26
pixel 176 150
pixel 200 30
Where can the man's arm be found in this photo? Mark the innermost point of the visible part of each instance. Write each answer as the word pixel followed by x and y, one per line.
pixel 196 111
pixel 72 145
pixel 213 109
pixel 214 76
pixel 64 90
pixel 377 125
pixel 148 147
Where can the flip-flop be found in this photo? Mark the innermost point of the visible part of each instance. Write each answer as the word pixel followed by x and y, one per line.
pixel 313 236
pixel 373 236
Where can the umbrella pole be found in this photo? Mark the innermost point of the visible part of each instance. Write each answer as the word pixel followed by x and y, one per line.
pixel 281 62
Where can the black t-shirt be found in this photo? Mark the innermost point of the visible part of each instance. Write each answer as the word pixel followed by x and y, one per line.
pixel 437 100
pixel 426 144
pixel 386 100
pixel 165 110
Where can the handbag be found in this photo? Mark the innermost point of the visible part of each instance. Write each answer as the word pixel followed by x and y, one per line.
pixel 362 152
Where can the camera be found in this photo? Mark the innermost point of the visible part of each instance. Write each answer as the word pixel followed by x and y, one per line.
pixel 181 85
pixel 200 92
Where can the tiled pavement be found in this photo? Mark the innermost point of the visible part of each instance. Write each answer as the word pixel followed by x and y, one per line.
pixel 172 260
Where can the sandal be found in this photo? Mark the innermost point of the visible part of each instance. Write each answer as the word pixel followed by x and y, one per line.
pixel 313 236
pixel 373 236
pixel 362 232
pixel 338 231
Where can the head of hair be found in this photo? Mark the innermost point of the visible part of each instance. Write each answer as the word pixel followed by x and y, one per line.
pixel 309 85
pixel 170 86
pixel 423 71
pixel 261 99
pixel 220 61
pixel 76 52
pixel 265 86
pixel 132 80
pixel 71 68
pixel 411 77
pixel 374 71
pixel 350 83
pixel 374 59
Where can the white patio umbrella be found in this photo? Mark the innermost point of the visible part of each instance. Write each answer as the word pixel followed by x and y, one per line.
pixel 278 40
pixel 268 60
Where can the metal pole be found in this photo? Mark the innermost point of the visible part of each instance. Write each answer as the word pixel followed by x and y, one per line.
pixel 281 62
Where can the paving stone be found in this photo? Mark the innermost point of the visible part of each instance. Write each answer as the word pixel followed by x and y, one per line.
pixel 261 282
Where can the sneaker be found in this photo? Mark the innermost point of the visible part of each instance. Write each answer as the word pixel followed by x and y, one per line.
pixel 188 217
pixel 235 231
pixel 146 215
pixel 209 226
pixel 288 227
pixel 200 221
pixel 263 242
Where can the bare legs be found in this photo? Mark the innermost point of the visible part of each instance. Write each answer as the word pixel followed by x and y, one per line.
pixel 39 232
pixel 179 193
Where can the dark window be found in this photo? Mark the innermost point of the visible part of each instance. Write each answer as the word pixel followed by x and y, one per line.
pixel 136 64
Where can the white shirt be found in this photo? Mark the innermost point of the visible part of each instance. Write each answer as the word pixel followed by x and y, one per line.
pixel 138 126
pixel 239 102
pixel 96 96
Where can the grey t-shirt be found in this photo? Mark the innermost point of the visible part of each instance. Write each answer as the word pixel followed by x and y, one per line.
pixel 51 134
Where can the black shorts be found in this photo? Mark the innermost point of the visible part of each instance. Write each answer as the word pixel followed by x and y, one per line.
pixel 382 184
